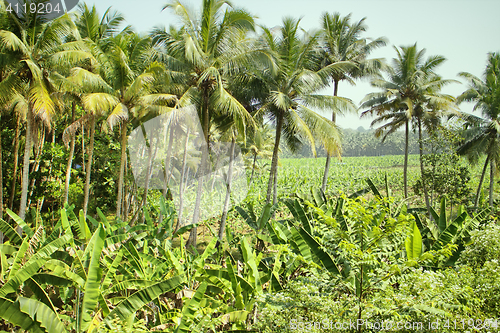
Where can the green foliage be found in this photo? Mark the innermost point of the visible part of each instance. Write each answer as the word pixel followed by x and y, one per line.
pixel 445 175
pixel 487 286
pixel 484 246
pixel 117 326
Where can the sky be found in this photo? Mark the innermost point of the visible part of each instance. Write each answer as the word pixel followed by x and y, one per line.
pixel 463 31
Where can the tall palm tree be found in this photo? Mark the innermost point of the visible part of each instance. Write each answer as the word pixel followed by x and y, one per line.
pixel 202 56
pixel 341 42
pixel 119 85
pixel 290 93
pixel 483 134
pixel 410 96
pixel 95 30
pixel 41 47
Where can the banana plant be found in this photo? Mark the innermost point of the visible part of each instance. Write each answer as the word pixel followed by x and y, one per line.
pixel 444 230
pixel 23 273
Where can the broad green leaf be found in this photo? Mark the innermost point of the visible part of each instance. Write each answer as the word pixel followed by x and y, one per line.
pixel 137 300
pixel 20 223
pixel 10 233
pixel 16 264
pixel 41 313
pixel 190 308
pixel 323 256
pixel 32 266
pixel 93 282
pixel 112 269
pixel 450 233
pixel 413 242
pixel 11 312
pixel 251 261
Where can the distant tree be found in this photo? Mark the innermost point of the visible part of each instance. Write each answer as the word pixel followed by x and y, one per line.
pixel 483 134
pixel 291 91
pixel 342 43
pixel 410 96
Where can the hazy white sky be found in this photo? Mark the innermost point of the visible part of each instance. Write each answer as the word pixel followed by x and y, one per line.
pixel 463 31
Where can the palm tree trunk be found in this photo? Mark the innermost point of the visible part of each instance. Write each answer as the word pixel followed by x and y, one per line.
pixel 492 180
pixel 166 171
pixel 274 162
pixel 421 151
pixel 481 181
pixel 181 183
pixel 228 191
pixel 26 164
pixel 328 157
pixel 405 167
pixel 70 157
pixel 123 157
pixel 149 169
pixel 191 242
pixel 89 165
pixel 253 169
pixel 38 156
pixel 83 147
pixel 16 164
pixel 275 189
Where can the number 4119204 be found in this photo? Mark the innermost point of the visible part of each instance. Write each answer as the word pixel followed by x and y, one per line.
pixel 40 8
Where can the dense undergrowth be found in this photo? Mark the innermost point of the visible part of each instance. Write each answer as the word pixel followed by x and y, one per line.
pixel 323 262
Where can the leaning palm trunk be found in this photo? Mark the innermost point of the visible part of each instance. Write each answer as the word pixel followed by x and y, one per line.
pixel 166 171
pixel 274 163
pixel 421 151
pixel 26 164
pixel 89 165
pixel 197 205
pixel 328 156
pixel 149 170
pixel 181 183
pixel 144 200
pixel 70 157
pixel 481 181
pixel 16 160
pixel 253 169
pixel 119 198
pixel 405 166
pixel 492 180
pixel 228 191
pixel 202 171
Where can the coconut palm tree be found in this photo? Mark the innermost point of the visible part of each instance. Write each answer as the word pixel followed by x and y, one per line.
pixel 341 42
pixel 410 96
pixel 202 56
pixel 290 93
pixel 95 30
pixel 41 47
pixel 483 134
pixel 121 86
